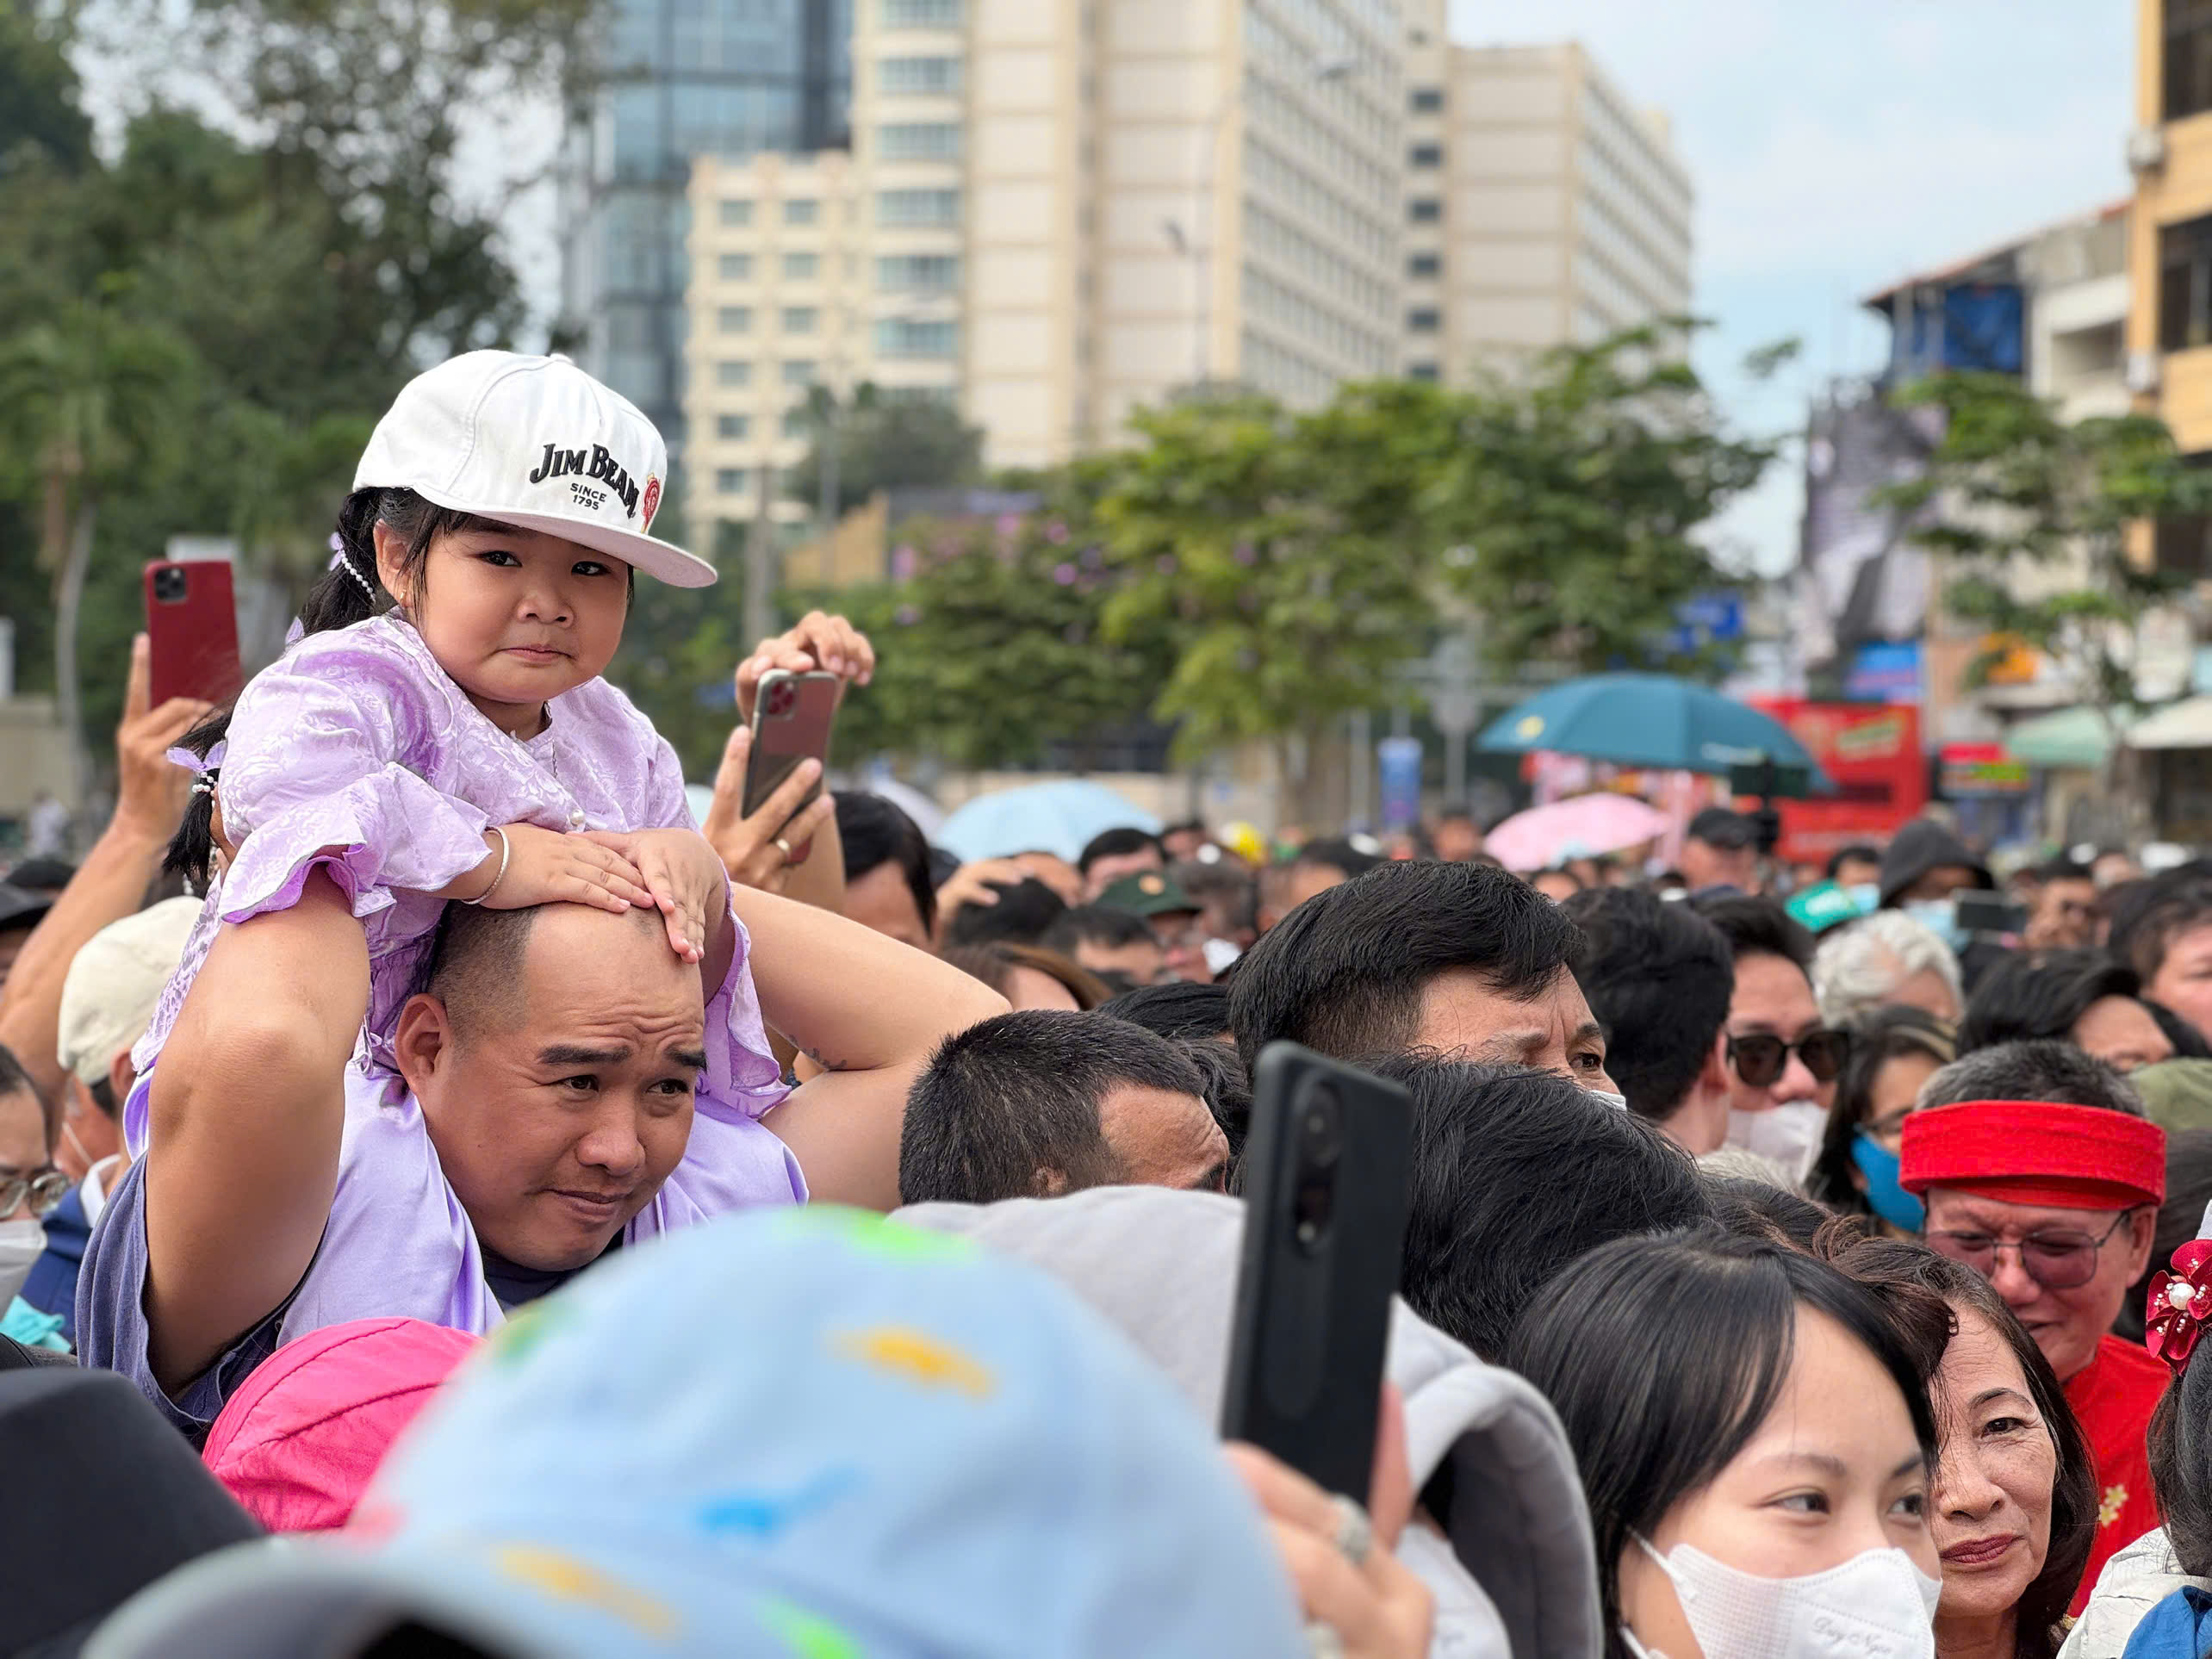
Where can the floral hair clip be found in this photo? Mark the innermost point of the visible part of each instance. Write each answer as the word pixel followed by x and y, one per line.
pixel 2181 1300
pixel 205 769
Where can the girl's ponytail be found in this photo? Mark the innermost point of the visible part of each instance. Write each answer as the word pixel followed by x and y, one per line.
pixel 348 591
pixel 192 849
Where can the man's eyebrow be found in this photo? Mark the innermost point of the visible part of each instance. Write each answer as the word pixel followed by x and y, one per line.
pixel 693 1058
pixel 577 1053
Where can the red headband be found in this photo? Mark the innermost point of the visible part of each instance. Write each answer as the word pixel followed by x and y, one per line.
pixel 2034 1151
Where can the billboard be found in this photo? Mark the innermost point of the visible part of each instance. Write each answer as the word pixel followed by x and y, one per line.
pixel 1872 752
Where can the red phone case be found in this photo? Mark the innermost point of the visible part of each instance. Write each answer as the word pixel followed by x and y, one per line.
pixel 191 625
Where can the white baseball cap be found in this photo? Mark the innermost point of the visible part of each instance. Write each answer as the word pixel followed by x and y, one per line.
pixel 108 996
pixel 535 443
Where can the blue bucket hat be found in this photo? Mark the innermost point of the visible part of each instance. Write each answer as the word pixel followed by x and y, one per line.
pixel 801 1432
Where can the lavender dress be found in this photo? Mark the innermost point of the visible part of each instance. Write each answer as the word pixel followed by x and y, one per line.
pixel 356 754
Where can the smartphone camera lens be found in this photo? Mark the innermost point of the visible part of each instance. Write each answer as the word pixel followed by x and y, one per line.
pixel 781 697
pixel 169 586
pixel 1320 1146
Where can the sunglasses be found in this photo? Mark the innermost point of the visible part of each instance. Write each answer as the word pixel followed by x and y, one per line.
pixel 1760 1061
pixel 2057 1261
pixel 44 1188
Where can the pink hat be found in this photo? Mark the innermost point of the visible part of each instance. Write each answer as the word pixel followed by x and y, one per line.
pixel 299 1442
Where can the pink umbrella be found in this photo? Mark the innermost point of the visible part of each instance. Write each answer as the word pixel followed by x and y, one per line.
pixel 1581 828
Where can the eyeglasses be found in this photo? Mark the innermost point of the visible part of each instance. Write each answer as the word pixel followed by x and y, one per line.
pixel 2057 1261
pixel 45 1188
pixel 1760 1061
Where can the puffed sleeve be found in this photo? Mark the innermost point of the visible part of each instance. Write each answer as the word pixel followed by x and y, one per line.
pixel 320 773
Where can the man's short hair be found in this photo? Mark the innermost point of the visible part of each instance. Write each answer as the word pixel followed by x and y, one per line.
pixel 1863 852
pixel 1337 853
pixel 1719 826
pixel 1228 1093
pixel 1019 1094
pixel 476 964
pixel 2055 1071
pixel 1659 977
pixel 1096 924
pixel 1023 915
pixel 1755 926
pixel 1515 1174
pixel 1117 843
pixel 2041 994
pixel 1345 973
pixel 874 831
pixel 2147 916
pixel 1178 1009
pixel 2062 869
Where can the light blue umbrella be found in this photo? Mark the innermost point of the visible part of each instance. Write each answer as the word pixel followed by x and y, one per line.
pixel 1650 720
pixel 1049 817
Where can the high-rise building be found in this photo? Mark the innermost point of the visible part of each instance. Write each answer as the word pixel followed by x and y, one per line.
pixel 1541 206
pixel 686 78
pixel 2170 253
pixel 1065 211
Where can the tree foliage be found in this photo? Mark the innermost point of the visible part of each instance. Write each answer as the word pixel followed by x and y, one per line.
pixel 2031 517
pixel 885 443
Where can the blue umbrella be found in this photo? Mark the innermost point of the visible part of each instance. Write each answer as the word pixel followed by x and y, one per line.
pixel 1050 818
pixel 1650 720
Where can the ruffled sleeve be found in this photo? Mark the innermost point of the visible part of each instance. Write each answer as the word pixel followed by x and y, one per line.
pixel 321 772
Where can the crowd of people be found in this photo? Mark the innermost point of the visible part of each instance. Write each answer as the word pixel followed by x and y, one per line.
pixel 770 1235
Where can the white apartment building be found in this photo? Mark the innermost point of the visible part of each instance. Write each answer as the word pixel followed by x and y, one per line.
pixel 1541 207
pixel 1056 212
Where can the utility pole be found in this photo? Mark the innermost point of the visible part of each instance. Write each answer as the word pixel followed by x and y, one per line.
pixel 760 560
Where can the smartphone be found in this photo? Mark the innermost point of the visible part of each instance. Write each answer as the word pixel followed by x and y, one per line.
pixel 792 714
pixel 191 626
pixel 1325 1173
pixel 1989 914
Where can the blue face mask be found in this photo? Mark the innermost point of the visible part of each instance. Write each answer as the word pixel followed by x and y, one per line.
pixel 1939 915
pixel 1889 1200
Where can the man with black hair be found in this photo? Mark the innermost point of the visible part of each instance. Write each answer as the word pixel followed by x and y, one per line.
pixel 1720 851
pixel 1177 1009
pixel 1460 958
pixel 1117 945
pixel 888 883
pixel 1112 855
pixel 2062 907
pixel 1515 1174
pixel 1859 865
pixel 1040 1102
pixel 1782 1057
pixel 2080 997
pixel 1660 978
pixel 1025 910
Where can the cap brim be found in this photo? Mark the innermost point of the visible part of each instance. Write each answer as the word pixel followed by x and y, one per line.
pixel 278 1598
pixel 662 560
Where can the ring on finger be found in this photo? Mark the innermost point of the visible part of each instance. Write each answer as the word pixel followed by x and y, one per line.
pixel 783 846
pixel 1322 1641
pixel 1355 1535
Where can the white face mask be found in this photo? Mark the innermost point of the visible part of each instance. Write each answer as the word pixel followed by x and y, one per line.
pixel 1789 1134
pixel 1618 1103
pixel 22 1243
pixel 1875 1605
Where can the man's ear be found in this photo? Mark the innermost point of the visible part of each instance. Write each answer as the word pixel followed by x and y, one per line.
pixel 1049 1183
pixel 2142 1231
pixel 423 1040
pixel 1713 1077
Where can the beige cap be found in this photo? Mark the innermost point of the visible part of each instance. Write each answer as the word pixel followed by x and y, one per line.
pixel 109 996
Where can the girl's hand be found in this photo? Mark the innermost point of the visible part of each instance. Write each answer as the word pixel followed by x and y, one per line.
pixel 762 850
pixel 1377 1608
pixel 818 640
pixel 546 867
pixel 684 878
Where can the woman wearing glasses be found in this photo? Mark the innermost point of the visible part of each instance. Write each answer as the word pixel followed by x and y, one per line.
pixel 29 1186
pixel 2040 1175
pixel 1894 1051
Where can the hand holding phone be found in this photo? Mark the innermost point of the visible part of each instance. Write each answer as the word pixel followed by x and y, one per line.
pixel 792 716
pixel 1325 1171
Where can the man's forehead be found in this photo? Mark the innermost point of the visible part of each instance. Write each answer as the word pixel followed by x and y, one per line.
pixel 1772 994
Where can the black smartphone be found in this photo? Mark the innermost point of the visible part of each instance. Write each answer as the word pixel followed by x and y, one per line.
pixel 1325 1173
pixel 1989 914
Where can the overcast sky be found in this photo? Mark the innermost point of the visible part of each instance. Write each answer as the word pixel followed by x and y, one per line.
pixel 1835 147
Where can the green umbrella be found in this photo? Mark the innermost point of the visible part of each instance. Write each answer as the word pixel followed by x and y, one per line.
pixel 1652 720
pixel 2072 738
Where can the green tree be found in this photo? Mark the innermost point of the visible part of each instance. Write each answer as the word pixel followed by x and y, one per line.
pixel 2030 518
pixel 1573 499
pixel 884 443
pixel 88 400
pixel 1288 556
pixel 992 645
